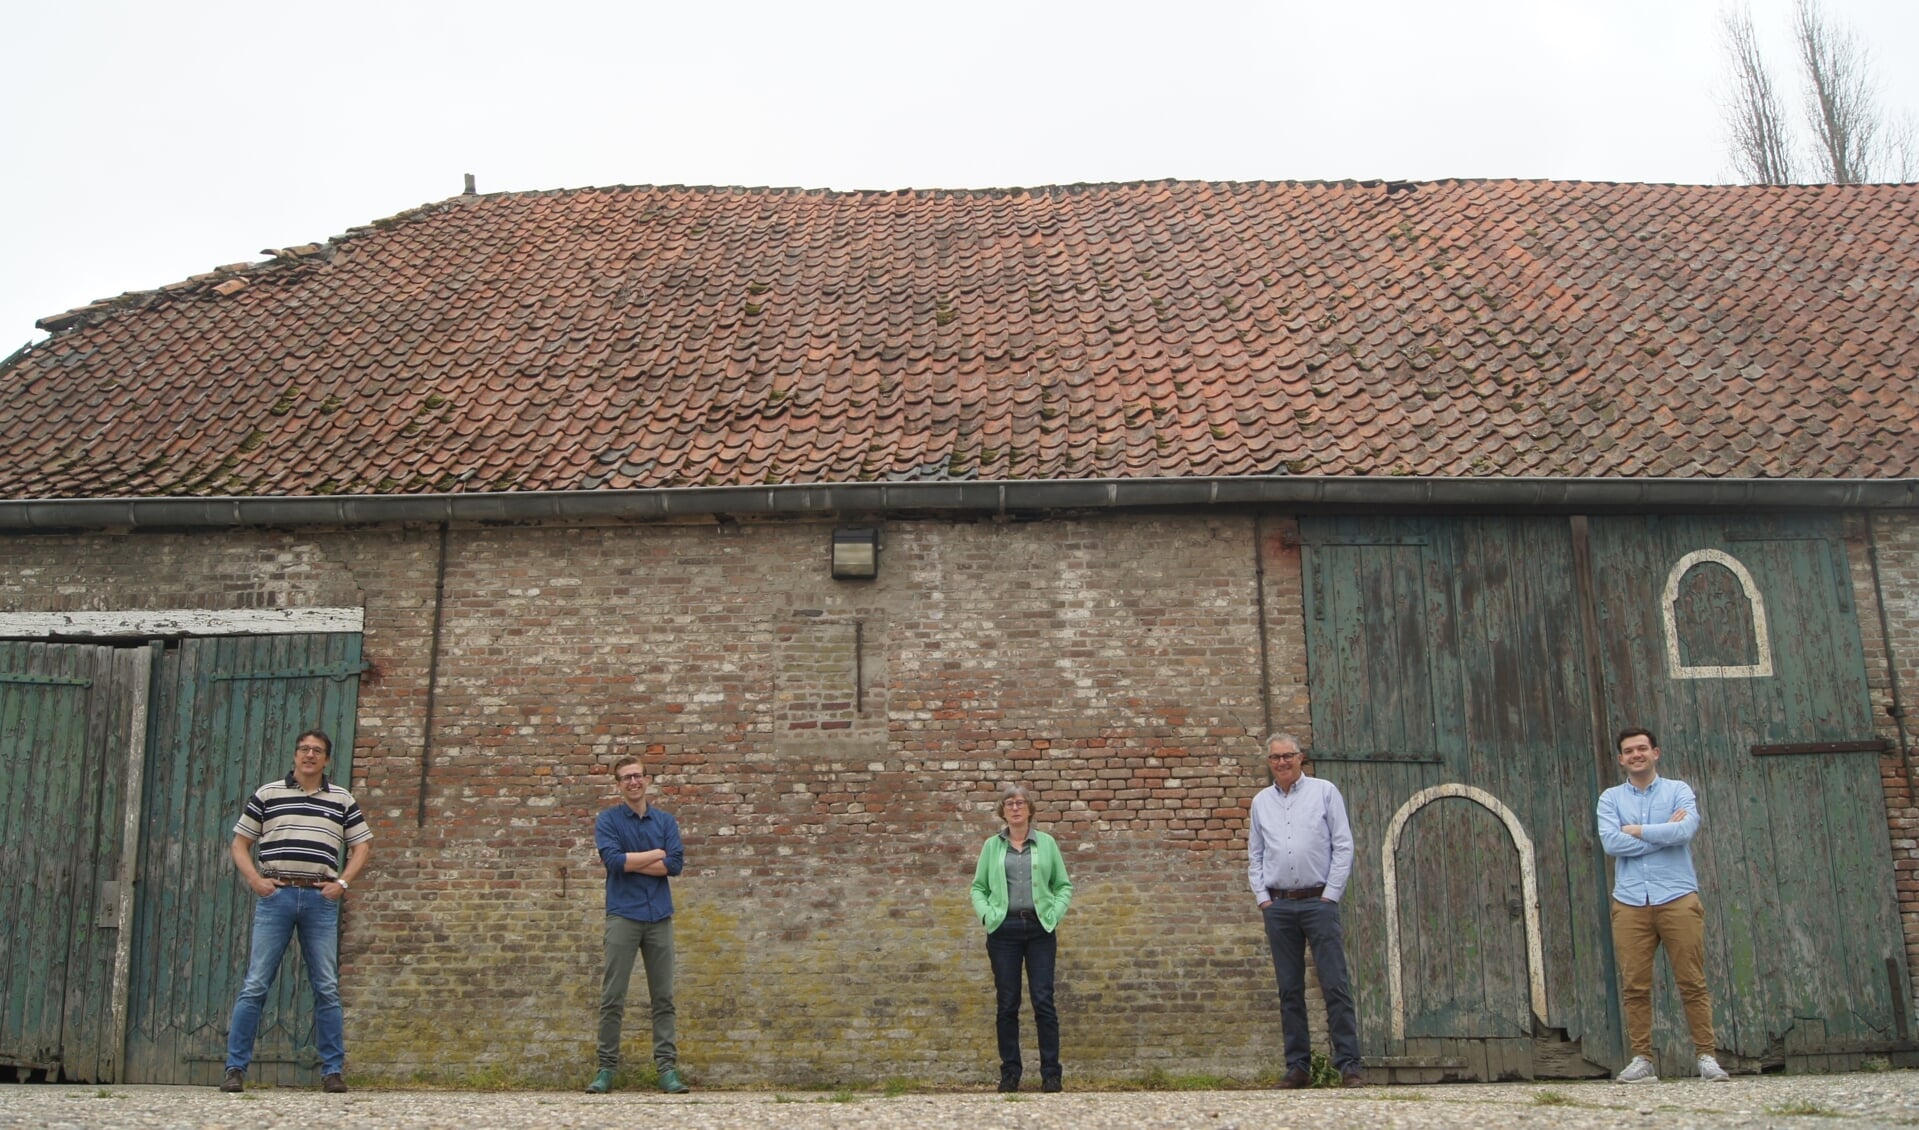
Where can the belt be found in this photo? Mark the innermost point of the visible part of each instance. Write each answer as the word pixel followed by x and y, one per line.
pixel 1302 893
pixel 1027 914
pixel 282 881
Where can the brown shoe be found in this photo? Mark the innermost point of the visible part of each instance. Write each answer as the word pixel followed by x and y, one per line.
pixel 1295 1079
pixel 333 1084
pixel 1352 1079
pixel 235 1081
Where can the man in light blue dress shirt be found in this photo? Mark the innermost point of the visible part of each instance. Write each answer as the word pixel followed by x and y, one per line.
pixel 1299 853
pixel 1647 826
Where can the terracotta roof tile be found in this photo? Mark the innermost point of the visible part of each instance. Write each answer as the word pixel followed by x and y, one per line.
pixel 640 337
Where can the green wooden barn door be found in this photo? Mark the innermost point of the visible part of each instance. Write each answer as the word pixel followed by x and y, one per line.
pixel 1450 703
pixel 1737 642
pixel 64 712
pixel 227 711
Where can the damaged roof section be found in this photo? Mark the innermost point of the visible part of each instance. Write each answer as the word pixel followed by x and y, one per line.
pixel 641 338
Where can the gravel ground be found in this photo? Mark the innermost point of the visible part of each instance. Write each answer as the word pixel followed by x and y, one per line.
pixel 1813 1101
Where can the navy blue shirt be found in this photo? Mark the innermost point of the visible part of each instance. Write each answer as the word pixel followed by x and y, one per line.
pixel 629 894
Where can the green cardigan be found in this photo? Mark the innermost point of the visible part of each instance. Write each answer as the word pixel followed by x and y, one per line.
pixel 1052 890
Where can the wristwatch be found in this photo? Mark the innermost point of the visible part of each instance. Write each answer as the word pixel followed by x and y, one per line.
pixel 344 885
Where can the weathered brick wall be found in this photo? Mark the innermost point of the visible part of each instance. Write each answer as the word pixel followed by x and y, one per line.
pixel 1892 652
pixel 832 751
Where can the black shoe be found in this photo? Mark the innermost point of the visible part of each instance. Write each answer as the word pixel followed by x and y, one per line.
pixel 1295 1079
pixel 1051 1085
pixel 333 1084
pixel 1008 1081
pixel 236 1080
pixel 1352 1078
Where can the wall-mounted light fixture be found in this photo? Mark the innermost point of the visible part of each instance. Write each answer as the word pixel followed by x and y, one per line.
pixel 856 553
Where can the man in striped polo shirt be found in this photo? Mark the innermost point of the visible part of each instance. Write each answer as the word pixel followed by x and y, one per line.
pixel 300 824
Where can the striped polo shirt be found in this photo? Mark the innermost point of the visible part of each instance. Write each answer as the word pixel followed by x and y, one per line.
pixel 300 834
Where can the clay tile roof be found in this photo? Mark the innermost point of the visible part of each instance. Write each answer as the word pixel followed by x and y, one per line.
pixel 625 338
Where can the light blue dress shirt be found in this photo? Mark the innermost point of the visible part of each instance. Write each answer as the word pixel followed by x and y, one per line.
pixel 1654 867
pixel 1299 839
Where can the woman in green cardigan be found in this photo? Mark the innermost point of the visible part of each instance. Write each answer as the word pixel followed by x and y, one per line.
pixel 1020 892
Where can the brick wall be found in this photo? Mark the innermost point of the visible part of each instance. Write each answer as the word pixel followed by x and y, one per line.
pixel 1894 650
pixel 832 750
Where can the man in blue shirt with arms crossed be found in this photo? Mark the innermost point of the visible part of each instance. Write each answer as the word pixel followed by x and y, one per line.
pixel 640 845
pixel 1647 826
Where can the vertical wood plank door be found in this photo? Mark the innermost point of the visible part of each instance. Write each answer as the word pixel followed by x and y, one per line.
pixel 226 712
pixel 1462 939
pixel 1448 652
pixel 63 710
pixel 1722 634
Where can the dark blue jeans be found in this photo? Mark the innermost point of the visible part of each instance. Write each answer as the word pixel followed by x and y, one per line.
pixel 1292 924
pixel 1024 940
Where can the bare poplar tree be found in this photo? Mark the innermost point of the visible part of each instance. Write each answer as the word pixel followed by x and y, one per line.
pixel 1857 140
pixel 1840 102
pixel 1854 138
pixel 1761 147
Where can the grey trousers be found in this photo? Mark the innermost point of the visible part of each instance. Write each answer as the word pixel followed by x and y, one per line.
pixel 652 941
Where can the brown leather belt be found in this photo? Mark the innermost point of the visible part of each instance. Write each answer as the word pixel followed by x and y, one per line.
pixel 1302 893
pixel 283 881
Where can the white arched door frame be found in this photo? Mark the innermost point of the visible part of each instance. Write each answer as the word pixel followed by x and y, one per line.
pixel 1762 642
pixel 1529 884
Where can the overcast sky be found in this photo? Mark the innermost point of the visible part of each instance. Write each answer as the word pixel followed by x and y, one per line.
pixel 151 141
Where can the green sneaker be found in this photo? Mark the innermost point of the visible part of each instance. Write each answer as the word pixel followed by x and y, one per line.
pixel 671 1083
pixel 602 1083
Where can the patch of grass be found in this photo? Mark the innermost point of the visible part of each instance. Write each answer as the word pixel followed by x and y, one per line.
pixel 1390 1095
pixel 895 1087
pixel 841 1097
pixel 779 1098
pixel 1159 1079
pixel 494 1077
pixel 1322 1071
pixel 1200 1082
pixel 1805 1108
pixel 1155 1080
pixel 1015 1097
pixel 1552 1098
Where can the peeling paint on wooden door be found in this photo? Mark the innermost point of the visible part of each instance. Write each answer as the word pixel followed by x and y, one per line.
pixel 63 710
pixel 1732 639
pixel 227 710
pixel 1458 650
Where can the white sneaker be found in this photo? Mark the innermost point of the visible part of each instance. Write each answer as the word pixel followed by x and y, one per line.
pixel 1710 1071
pixel 1640 1070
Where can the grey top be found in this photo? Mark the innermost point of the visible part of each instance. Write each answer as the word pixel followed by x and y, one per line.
pixel 1019 873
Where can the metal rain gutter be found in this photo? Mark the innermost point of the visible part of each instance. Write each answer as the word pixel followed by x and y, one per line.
pixel 979 497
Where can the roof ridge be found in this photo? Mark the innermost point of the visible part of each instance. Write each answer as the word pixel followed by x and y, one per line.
pixel 232 277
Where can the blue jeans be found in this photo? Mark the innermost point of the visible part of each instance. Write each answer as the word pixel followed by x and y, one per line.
pixel 1017 941
pixel 1290 925
pixel 275 918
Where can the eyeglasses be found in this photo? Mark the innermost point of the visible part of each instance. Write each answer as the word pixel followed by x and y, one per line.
pixel 1015 803
pixel 1295 756
pixel 629 778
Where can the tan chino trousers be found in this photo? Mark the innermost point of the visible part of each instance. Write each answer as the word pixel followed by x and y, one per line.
pixel 1637 934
